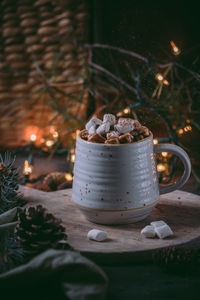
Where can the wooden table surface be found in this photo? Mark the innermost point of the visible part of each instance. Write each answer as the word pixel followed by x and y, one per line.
pixel 180 210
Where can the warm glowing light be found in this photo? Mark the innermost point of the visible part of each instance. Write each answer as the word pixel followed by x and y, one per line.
pixel 49 143
pixel 27 168
pixel 188 121
pixel 159 77
pixel 33 137
pixel 155 141
pixel 55 134
pixel 73 158
pixel 126 111
pixel 161 168
pixel 166 82
pixel 180 131
pixel 164 154
pixel 175 49
pixel 68 177
pixel 187 128
pixel 119 114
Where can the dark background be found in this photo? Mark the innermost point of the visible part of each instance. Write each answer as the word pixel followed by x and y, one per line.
pixel 146 26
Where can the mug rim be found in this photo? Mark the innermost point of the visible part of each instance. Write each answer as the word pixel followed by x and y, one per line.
pixel 113 145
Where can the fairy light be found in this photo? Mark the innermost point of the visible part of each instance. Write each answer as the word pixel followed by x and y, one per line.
pixel 68 177
pixel 166 82
pixel 49 143
pixel 188 121
pixel 155 141
pixel 55 134
pixel 73 158
pixel 119 114
pixel 33 137
pixel 126 111
pixel 159 77
pixel 77 132
pixel 180 131
pixel 164 154
pixel 27 168
pixel 187 128
pixel 175 49
pixel 161 168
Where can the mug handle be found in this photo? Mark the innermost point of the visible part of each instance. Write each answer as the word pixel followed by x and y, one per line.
pixel 185 160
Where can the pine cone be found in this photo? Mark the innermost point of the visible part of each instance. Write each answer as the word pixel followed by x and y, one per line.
pixel 177 258
pixel 54 179
pixel 39 230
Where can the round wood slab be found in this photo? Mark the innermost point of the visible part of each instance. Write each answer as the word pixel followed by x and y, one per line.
pixel 180 210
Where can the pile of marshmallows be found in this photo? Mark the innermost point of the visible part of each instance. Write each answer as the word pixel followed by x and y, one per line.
pixel 158 229
pixel 111 131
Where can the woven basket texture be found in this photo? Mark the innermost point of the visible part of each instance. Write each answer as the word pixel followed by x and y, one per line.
pixel 33 33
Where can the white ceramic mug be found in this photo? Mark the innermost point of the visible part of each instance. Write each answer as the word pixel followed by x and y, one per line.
pixel 117 183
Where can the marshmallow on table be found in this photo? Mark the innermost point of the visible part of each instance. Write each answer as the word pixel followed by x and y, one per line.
pixel 148 231
pixel 97 235
pixel 103 128
pixel 158 223
pixel 163 231
pixel 110 119
pixel 93 122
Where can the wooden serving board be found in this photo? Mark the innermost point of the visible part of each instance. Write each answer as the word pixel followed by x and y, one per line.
pixel 179 209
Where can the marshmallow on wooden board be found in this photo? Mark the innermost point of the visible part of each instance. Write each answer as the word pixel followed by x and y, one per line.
pixel 163 231
pixel 97 235
pixel 92 129
pixel 93 122
pixel 148 231
pixel 103 128
pixel 110 119
pixel 158 223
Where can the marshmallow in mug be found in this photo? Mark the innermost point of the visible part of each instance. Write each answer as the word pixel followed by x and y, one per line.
pixel 109 118
pixel 93 122
pixel 92 129
pixel 123 128
pixel 103 128
pixel 112 134
pixel 126 122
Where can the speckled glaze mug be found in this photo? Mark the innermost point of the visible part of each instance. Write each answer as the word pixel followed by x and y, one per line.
pixel 117 183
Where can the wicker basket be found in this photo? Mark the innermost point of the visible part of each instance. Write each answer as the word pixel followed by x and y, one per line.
pixel 37 31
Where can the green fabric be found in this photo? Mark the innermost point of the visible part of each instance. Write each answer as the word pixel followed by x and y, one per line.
pixel 54 274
